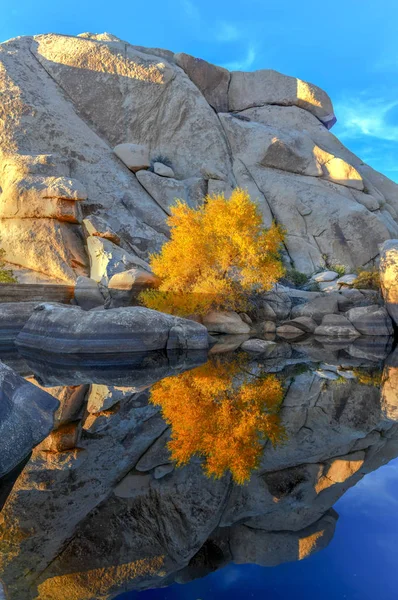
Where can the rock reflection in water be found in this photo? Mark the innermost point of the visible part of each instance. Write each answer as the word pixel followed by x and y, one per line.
pixel 112 514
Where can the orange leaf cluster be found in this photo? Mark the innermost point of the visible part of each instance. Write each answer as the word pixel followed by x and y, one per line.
pixel 221 413
pixel 216 254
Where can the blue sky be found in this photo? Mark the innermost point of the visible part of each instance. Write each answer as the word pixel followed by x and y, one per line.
pixel 347 47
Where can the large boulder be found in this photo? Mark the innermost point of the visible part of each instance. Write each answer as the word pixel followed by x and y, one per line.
pixel 213 81
pixel 370 320
pixel 270 87
pixel 61 329
pixel 107 259
pixel 389 277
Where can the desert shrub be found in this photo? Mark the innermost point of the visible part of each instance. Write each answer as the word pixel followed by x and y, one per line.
pixel 217 255
pixel 371 377
pixel 340 269
pixel 6 275
pixel 225 418
pixel 296 277
pixel 368 280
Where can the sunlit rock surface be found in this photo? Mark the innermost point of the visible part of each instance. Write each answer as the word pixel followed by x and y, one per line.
pixel 95 519
pixel 86 121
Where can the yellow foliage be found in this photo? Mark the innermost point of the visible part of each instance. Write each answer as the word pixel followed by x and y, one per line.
pixel 371 377
pixel 217 253
pixel 368 280
pixel 221 413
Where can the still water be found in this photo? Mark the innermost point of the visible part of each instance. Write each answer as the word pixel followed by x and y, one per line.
pixel 199 477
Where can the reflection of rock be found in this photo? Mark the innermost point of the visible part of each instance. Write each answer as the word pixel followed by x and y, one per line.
pixel 137 370
pixel 26 417
pixel 129 529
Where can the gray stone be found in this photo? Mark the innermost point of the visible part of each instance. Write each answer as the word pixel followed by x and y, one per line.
pixel 134 156
pixel 371 320
pixel 87 293
pixel 213 81
pixel 163 170
pixel 125 287
pixel 225 322
pixel 336 325
pixel 255 345
pixel 316 309
pixel 107 259
pixel 61 329
pixel 325 276
pixel 346 280
pixel 26 418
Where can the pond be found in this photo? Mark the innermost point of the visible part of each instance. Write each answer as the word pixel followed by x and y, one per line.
pixel 201 476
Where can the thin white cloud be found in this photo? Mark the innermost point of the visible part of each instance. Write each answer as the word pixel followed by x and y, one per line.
pixel 245 63
pixel 191 10
pixel 364 116
pixel 227 32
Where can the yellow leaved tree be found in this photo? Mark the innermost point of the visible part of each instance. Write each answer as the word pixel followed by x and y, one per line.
pixel 221 413
pixel 217 254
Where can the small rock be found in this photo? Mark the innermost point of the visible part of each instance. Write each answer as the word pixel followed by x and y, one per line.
pixel 65 438
pixel 87 293
pixel 163 170
pixel 329 286
pixel 163 470
pixel 228 343
pixel 289 331
pixel 346 374
pixel 225 322
pixel 327 374
pixel 95 225
pixel 306 324
pixel 266 327
pixel 134 156
pixel 245 318
pixel 256 345
pixel 325 276
pixel 125 287
pixel 346 280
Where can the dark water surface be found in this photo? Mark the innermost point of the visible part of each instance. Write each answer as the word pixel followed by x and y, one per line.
pixel 193 477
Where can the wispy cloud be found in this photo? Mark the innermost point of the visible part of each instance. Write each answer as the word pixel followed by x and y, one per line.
pixel 191 9
pixel 244 63
pixel 227 32
pixel 366 116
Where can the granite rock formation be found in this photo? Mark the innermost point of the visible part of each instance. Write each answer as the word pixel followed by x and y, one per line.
pixel 180 127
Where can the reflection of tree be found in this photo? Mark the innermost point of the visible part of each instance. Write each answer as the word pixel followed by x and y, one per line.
pixel 221 412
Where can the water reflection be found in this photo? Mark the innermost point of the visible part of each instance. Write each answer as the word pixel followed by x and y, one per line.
pixel 222 412
pixel 100 507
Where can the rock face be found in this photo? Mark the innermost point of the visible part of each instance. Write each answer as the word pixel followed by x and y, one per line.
pixel 92 128
pixel 59 329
